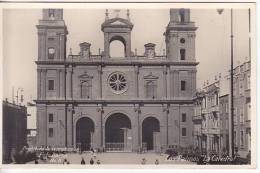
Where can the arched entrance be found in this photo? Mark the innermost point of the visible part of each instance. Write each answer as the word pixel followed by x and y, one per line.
pixel 150 135
pixel 84 133
pixel 118 132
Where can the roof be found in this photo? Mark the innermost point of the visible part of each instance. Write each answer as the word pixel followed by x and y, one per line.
pixel 117 23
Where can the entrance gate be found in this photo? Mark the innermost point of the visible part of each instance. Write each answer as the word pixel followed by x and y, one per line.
pixel 118 134
pixel 84 133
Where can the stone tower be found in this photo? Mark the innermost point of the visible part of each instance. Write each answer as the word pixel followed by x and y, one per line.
pixel 180 36
pixel 52 33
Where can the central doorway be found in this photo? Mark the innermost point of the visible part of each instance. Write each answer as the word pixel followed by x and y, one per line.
pixel 150 133
pixel 84 133
pixel 118 133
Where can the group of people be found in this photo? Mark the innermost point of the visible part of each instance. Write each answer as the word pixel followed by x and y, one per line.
pixel 143 162
pixel 91 162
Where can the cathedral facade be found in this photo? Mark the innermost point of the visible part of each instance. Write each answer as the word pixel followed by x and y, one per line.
pixel 129 103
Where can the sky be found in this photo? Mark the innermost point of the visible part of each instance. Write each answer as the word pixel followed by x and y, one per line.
pixel 84 25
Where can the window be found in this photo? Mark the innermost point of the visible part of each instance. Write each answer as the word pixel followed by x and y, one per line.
pixel 182 54
pixel 151 89
pixel 181 15
pixel 118 83
pixel 242 115
pixel 51 13
pixel 50 118
pixel 51 53
pixel 216 95
pixel 182 40
pixel 183 131
pixel 50 132
pixel 235 138
pixel 248 111
pixel 183 117
pixel 241 138
pixel 51 85
pixel 183 85
pixel 85 89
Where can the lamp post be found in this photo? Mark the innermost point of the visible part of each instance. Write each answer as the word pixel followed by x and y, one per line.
pixel 231 83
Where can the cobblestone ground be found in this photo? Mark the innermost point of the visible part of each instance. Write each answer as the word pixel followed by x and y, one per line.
pixel 115 158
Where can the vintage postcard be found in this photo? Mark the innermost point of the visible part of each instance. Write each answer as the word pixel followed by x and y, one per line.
pixel 141 85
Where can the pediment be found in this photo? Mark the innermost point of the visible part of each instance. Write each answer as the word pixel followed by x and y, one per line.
pixel 85 76
pixel 118 23
pixel 151 76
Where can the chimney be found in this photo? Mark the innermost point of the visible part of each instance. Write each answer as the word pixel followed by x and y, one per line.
pixel 85 50
pixel 149 50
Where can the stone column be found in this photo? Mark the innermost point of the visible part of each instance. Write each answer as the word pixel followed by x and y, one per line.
pixel 176 83
pixel 44 83
pixel 57 83
pixel 171 84
pixel 100 72
pixel 69 82
pixel 62 46
pixel 59 46
pixel 166 111
pixel 38 83
pixel 70 126
pixel 106 45
pixel 62 83
pixel 164 82
pixel 136 81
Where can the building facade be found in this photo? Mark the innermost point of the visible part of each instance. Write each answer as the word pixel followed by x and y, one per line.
pixel 210 123
pixel 211 120
pixel 128 103
pixel 14 130
pixel 242 108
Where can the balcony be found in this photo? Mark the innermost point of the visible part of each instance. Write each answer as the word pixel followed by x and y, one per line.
pixel 248 93
pixel 197 118
pixel 215 108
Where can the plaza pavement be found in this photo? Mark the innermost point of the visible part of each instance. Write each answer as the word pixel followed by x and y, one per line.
pixel 115 158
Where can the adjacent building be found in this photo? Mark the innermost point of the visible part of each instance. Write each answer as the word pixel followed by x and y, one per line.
pixel 14 129
pixel 126 103
pixel 211 120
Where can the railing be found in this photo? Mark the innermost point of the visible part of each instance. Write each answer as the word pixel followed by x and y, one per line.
pixel 115 146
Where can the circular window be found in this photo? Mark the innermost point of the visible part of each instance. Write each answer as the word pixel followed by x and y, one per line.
pixel 182 40
pixel 117 82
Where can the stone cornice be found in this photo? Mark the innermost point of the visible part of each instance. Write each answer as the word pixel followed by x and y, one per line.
pixel 105 102
pixel 118 63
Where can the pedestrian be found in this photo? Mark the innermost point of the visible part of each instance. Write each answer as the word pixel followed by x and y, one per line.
pixel 98 162
pixel 157 162
pixel 82 161
pixel 143 161
pixel 64 161
pixel 36 161
pixel 91 161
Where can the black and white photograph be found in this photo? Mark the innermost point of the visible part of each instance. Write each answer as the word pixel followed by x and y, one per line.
pixel 165 84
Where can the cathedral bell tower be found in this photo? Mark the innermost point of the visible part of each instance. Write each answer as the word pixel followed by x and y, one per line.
pixel 180 36
pixel 119 29
pixel 52 33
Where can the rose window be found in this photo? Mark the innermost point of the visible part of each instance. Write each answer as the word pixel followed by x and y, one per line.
pixel 118 83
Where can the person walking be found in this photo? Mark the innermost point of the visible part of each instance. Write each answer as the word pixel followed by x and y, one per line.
pixel 91 161
pixel 156 162
pixel 98 162
pixel 143 161
pixel 82 161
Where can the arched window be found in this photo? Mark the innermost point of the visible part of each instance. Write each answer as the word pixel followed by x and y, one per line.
pixel 117 49
pixel 85 90
pixel 151 89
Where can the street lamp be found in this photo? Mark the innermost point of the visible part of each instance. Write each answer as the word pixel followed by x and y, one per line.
pixel 231 80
